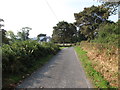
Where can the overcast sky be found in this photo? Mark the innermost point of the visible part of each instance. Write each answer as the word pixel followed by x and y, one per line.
pixel 38 14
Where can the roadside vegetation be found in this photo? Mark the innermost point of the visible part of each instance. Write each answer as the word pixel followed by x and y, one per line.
pixel 23 57
pixel 62 47
pixel 104 59
pixel 102 45
pixel 96 37
pixel 95 76
pixel 12 80
pixel 102 54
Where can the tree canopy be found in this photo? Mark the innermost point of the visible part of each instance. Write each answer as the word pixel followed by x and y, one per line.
pixel 3 37
pixel 90 18
pixel 24 33
pixel 64 32
pixel 41 35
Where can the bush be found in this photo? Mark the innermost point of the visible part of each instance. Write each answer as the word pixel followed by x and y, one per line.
pixel 19 56
pixel 108 33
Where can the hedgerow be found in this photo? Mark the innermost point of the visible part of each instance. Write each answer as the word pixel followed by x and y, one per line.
pixel 108 33
pixel 104 58
pixel 19 56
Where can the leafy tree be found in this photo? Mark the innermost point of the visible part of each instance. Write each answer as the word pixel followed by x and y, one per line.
pixel 12 36
pixel 24 33
pixel 64 32
pixel 80 36
pixel 108 33
pixel 72 33
pixel 1 25
pixel 90 18
pixel 3 37
pixel 41 35
pixel 112 6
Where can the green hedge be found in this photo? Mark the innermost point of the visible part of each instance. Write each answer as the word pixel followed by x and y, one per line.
pixel 19 56
pixel 108 33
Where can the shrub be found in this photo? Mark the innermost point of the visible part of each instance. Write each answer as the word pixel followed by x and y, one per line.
pixel 19 56
pixel 108 33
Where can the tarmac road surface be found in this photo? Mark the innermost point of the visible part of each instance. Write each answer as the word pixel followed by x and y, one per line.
pixel 64 70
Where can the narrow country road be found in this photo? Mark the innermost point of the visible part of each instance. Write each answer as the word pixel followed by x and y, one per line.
pixel 63 71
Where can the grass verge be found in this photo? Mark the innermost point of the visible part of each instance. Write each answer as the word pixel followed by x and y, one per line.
pixel 11 81
pixel 63 47
pixel 95 76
